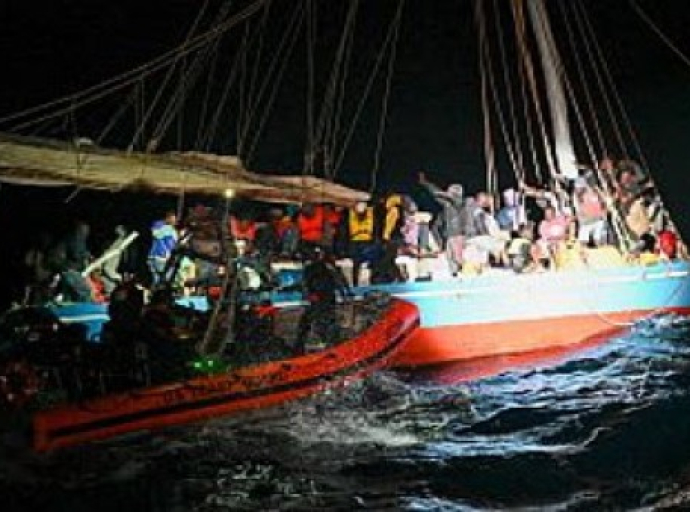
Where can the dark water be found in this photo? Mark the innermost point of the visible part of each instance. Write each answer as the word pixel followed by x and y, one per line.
pixel 603 428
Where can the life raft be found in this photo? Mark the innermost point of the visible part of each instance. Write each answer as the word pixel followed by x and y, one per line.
pixel 251 387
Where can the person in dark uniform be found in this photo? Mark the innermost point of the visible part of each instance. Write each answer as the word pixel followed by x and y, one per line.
pixel 323 282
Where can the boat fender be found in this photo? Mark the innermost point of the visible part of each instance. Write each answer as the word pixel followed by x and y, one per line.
pixel 19 383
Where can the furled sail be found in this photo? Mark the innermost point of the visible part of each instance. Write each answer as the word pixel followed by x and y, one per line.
pixel 554 77
pixel 43 162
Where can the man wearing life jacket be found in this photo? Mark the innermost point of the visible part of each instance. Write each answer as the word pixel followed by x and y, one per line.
pixel 310 223
pixel 361 237
pixel 385 268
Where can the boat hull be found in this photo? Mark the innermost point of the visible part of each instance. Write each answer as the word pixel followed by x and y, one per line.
pixel 436 345
pixel 254 387
pixel 497 315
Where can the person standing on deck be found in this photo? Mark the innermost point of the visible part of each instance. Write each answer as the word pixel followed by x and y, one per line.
pixel 454 218
pixel 164 240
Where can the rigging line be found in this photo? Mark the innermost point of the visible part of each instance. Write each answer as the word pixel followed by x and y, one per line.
pixel 129 77
pixel 491 81
pixel 189 77
pixel 508 86
pixel 527 71
pixel 529 129
pixel 168 76
pixel 326 109
pixel 274 92
pixel 365 95
pixel 310 33
pixel 203 114
pixel 329 107
pixel 600 68
pixel 287 40
pixel 386 96
pixel 124 106
pixel 664 38
pixel 208 136
pixel 481 47
pixel 518 13
pixel 603 150
pixel 335 125
pixel 624 114
pixel 242 110
pixel 248 100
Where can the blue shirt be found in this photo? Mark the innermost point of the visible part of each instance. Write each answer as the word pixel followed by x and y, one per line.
pixel 164 239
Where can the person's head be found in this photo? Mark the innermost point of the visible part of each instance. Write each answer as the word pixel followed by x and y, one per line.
pixel 82 228
pixel 606 164
pixel 626 176
pixel 510 197
pixel 170 217
pixel 360 207
pixel 549 213
pixel 409 205
pixel 580 185
pixel 455 190
pixel 308 209
pixel 275 214
pixel 484 200
pixel 120 230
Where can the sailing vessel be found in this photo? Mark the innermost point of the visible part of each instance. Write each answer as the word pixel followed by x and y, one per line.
pixel 551 124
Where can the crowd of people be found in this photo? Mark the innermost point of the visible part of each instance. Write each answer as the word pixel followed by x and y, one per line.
pixel 531 229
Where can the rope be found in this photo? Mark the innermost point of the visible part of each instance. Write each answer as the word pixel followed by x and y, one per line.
pixel 274 92
pixel 518 15
pixel 603 150
pixel 98 91
pixel 286 46
pixel 367 90
pixel 330 113
pixel 488 145
pixel 386 95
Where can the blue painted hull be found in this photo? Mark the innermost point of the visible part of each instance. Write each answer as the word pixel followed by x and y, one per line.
pixel 502 312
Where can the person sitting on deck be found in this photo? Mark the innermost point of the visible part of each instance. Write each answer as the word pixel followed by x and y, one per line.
pixel 385 269
pixel 323 282
pixel 489 238
pixel 310 223
pixel 39 272
pixel 521 250
pixel 362 248
pixel 553 231
pixel 75 256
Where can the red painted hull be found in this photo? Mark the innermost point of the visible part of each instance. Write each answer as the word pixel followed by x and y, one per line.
pixel 430 346
pixel 253 387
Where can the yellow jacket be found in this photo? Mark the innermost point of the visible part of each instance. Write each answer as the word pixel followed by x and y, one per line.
pixel 361 226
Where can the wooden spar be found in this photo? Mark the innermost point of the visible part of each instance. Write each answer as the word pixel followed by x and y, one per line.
pixel 43 162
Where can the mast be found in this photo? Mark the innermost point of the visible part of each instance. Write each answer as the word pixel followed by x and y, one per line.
pixel 554 76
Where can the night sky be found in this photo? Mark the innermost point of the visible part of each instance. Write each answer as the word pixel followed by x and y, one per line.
pixel 53 48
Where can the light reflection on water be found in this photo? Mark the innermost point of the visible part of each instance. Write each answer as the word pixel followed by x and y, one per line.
pixel 607 426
